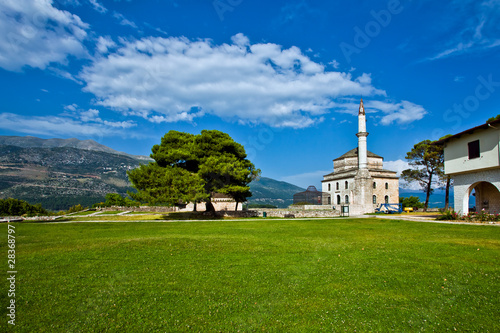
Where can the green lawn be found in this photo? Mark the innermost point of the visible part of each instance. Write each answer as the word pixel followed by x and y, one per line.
pixel 256 275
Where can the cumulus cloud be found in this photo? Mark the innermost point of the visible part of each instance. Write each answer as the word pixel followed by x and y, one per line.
pixel 35 33
pixel 104 44
pixel 400 113
pixel 171 79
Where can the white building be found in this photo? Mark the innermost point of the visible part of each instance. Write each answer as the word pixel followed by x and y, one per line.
pixel 358 179
pixel 472 159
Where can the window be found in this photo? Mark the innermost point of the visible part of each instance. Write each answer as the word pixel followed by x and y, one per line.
pixel 374 185
pixel 374 199
pixel 386 199
pixel 346 184
pixel 386 186
pixel 329 200
pixel 337 186
pixel 473 149
pixel 329 187
pixel 346 199
pixel 338 199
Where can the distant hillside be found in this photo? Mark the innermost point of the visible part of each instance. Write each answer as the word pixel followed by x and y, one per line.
pixel 62 177
pixel 34 142
pixel 274 192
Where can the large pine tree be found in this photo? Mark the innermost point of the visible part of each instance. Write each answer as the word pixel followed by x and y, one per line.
pixel 191 168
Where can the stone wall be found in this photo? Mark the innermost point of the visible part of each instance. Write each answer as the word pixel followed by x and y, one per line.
pixel 298 213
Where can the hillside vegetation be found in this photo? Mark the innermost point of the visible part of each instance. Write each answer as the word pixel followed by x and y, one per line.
pixel 62 177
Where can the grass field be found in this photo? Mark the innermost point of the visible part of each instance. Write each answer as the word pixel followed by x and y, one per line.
pixel 280 276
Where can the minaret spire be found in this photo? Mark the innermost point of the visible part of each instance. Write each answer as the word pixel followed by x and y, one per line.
pixel 362 134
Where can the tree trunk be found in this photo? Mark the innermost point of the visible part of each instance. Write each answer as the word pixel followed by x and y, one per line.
pixel 428 193
pixel 236 208
pixel 194 208
pixel 210 207
pixel 447 196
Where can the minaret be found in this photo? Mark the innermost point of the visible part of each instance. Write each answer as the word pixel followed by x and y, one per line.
pixel 362 134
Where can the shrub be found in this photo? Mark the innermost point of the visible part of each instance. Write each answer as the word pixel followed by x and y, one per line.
pixel 15 207
pixel 449 215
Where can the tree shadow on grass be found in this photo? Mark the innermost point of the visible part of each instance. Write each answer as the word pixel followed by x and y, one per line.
pixel 192 216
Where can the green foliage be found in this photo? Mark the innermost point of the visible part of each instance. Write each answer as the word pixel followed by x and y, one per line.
pixel 303 203
pixel 448 215
pixel 190 168
pixel 75 209
pixel 115 199
pixel 255 205
pixel 166 185
pixel 481 216
pixel 493 118
pixel 15 207
pixel 427 161
pixel 411 201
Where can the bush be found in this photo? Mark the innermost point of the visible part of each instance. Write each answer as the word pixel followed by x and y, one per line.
pixel 449 215
pixel 482 216
pixel 115 199
pixel 75 209
pixel 413 202
pixel 261 206
pixel 15 207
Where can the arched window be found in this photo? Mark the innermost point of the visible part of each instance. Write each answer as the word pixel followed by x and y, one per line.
pixel 337 186
pixel 374 199
pixel 346 199
pixel 386 186
pixel 338 199
pixel 346 184
pixel 386 199
pixel 374 185
pixel 329 187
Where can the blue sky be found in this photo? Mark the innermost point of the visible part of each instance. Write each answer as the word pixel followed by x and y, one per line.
pixel 284 78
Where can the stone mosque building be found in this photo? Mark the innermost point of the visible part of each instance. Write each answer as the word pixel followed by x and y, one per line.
pixel 358 178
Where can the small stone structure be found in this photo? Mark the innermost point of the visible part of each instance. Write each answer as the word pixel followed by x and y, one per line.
pixel 312 196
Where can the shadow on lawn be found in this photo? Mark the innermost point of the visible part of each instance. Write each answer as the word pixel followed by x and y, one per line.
pixel 192 216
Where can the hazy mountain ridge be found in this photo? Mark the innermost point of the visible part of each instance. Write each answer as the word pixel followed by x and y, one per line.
pixel 274 192
pixel 61 177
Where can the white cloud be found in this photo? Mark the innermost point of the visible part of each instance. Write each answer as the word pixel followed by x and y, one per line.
pixel 34 33
pixel 335 64
pixel 400 113
pixel 98 7
pixel 51 125
pixel 171 79
pixel 104 44
pixel 74 122
pixel 123 21
pixel 397 165
pixel 477 22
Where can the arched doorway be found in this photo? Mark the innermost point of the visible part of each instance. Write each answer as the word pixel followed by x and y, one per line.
pixel 487 198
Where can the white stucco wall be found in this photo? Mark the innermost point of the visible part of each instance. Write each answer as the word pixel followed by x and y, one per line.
pixel 456 154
